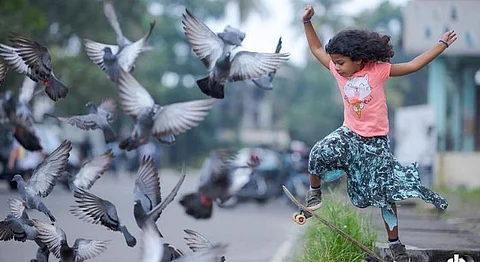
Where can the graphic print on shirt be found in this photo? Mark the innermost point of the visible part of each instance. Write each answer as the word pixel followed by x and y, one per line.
pixel 358 93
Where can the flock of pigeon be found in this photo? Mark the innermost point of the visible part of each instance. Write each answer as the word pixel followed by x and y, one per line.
pixel 33 59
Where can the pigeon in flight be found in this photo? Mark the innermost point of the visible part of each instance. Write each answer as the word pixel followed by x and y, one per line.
pixel 97 118
pixel 43 179
pixel 96 210
pixel 163 122
pixel 33 59
pixel 3 71
pixel 198 243
pixel 217 57
pixel 113 58
pixel 265 81
pixel 232 36
pixel 19 227
pixel 147 196
pixel 17 114
pixel 217 182
pixel 56 241
pixel 89 173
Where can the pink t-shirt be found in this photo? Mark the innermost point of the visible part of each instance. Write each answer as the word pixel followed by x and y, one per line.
pixel 365 106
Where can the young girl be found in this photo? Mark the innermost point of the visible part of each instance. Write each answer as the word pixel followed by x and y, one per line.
pixel 359 61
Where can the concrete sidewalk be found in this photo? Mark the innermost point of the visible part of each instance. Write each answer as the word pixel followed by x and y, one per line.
pixel 431 235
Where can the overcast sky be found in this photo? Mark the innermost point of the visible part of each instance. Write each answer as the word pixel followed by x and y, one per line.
pixel 262 33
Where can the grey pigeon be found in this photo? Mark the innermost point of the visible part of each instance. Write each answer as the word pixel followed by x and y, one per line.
pixel 265 81
pixel 19 227
pixel 147 196
pixel 3 71
pixel 96 210
pixel 218 59
pixel 163 122
pixel 150 252
pixel 97 118
pixel 33 59
pixel 56 241
pixel 198 243
pixel 112 58
pixel 43 179
pixel 17 114
pixel 217 182
pixel 90 172
pixel 232 36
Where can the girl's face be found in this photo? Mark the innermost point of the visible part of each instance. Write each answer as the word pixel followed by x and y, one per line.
pixel 345 66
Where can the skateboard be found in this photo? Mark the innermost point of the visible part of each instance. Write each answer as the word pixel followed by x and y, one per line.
pixel 304 213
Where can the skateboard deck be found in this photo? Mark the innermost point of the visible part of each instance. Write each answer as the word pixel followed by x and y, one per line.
pixel 304 213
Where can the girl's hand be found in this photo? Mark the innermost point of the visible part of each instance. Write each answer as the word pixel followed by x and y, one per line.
pixel 449 37
pixel 307 15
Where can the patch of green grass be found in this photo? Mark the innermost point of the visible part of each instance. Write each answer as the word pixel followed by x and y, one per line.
pixel 320 243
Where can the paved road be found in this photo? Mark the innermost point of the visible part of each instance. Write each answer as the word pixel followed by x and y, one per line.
pixel 253 232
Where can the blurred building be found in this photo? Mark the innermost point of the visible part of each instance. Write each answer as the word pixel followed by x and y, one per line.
pixel 453 92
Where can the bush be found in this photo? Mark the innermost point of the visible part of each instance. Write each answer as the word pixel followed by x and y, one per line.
pixel 320 243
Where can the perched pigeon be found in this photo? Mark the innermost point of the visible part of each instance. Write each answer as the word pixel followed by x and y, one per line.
pixel 98 118
pixel 90 172
pixel 232 36
pixel 3 71
pixel 96 210
pixel 19 227
pixel 147 196
pixel 56 241
pixel 217 182
pixel 163 122
pixel 112 58
pixel 198 243
pixel 17 113
pixel 265 81
pixel 217 56
pixel 34 60
pixel 43 179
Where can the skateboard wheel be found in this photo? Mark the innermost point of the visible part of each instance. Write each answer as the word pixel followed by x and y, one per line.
pixel 300 219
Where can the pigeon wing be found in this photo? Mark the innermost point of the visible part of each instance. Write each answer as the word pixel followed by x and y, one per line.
pixel 134 98
pixel 179 117
pixel 88 249
pixel 248 65
pixel 45 175
pixel 94 209
pixel 51 236
pixel 35 55
pixel 16 207
pixel 109 11
pixel 128 55
pixel 196 241
pixel 11 56
pixel 207 45
pixel 3 71
pixel 92 170
pixel 147 185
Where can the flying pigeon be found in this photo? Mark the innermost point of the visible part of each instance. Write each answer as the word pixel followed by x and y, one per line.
pixel 96 210
pixel 163 122
pixel 217 182
pixel 43 179
pixel 97 118
pixel 56 241
pixel 232 36
pixel 198 243
pixel 147 196
pixel 112 58
pixel 33 59
pixel 3 71
pixel 17 113
pixel 89 173
pixel 265 81
pixel 218 59
pixel 19 227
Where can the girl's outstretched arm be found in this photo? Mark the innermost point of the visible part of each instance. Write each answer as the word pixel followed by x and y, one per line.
pixel 422 60
pixel 313 41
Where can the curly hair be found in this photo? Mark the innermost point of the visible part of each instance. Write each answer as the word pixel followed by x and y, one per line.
pixel 361 44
